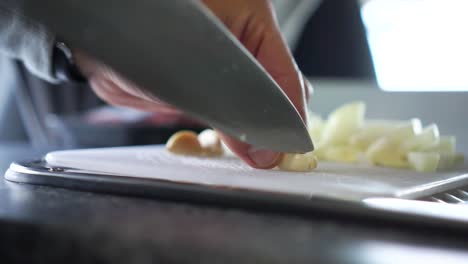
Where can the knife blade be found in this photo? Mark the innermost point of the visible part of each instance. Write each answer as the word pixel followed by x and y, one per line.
pixel 180 53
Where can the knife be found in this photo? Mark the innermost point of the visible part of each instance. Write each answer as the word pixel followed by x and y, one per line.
pixel 182 54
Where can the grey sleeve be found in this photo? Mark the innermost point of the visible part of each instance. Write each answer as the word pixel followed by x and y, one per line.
pixel 28 42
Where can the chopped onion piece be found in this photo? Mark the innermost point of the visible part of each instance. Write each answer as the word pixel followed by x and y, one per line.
pixel 342 123
pixel 315 127
pixel 446 144
pixel 346 154
pixel 424 161
pixel 384 152
pixel 428 137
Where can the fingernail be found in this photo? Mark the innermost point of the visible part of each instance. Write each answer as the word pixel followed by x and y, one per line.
pixel 263 158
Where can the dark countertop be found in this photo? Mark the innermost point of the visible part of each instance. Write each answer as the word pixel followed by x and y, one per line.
pixel 52 225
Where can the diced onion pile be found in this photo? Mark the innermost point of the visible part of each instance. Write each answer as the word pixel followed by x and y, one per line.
pixel 346 136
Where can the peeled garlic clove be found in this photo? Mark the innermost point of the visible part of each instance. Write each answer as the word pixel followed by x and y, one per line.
pixel 210 142
pixel 184 143
pixel 209 138
pixel 298 162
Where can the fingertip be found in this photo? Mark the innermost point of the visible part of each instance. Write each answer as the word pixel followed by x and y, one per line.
pixel 255 157
pixel 263 158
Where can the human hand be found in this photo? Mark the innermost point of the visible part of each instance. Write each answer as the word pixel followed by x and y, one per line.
pixel 253 23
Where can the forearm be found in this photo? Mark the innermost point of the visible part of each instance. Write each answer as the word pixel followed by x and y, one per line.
pixel 28 42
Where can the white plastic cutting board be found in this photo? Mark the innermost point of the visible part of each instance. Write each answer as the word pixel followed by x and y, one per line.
pixel 344 181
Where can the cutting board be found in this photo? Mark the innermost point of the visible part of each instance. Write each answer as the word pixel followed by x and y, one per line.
pixel 335 180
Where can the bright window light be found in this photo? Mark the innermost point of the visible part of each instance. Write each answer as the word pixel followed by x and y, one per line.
pixel 419 45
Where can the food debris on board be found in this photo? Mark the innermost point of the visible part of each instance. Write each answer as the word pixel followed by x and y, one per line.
pixel 208 143
pixel 347 137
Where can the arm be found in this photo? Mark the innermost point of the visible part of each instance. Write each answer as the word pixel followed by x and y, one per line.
pixel 28 42
pixel 252 22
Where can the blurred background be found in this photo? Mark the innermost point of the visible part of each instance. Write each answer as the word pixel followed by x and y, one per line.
pixel 404 58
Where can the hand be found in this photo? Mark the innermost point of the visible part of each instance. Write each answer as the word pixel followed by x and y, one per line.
pixel 253 23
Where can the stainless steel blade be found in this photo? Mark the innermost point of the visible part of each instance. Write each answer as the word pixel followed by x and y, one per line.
pixel 181 54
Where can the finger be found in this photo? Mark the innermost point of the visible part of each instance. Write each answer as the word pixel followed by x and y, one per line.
pixel 257 158
pixel 115 85
pixel 275 57
pixel 164 119
pixel 114 95
pixel 269 48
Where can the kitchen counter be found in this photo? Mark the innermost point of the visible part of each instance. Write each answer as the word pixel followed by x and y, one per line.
pixel 51 225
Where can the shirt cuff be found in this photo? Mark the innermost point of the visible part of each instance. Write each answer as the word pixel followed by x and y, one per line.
pixel 29 42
